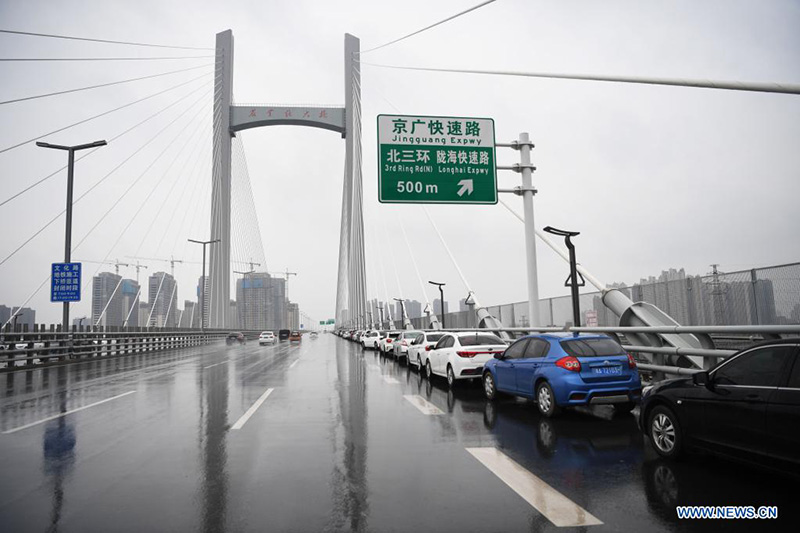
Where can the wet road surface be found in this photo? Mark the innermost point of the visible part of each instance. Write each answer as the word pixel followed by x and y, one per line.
pixel 322 436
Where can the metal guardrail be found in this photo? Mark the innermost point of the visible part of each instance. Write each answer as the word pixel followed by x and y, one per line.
pixel 669 369
pixel 34 349
pixel 767 331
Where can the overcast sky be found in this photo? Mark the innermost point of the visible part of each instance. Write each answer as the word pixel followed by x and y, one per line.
pixel 652 177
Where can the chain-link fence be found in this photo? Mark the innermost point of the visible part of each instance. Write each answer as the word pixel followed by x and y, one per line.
pixel 760 296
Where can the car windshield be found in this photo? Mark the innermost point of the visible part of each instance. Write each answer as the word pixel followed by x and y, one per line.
pixel 597 347
pixel 435 337
pixel 478 340
pixel 394 335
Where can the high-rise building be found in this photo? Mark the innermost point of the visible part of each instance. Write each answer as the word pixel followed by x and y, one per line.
pixel 163 296
pixel 144 312
pixel 437 307
pixel 107 300
pixel 413 308
pixel 261 301
pixel 234 314
pixel 202 298
pixel 24 317
pixel 131 294
pixel 293 311
pixel 190 317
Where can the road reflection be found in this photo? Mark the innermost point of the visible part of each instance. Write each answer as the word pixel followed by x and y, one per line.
pixel 350 491
pixel 706 480
pixel 59 459
pixel 212 429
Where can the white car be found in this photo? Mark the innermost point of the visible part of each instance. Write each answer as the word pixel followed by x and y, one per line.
pixel 371 338
pixel 266 337
pixel 462 355
pixel 419 348
pixel 385 344
pixel 400 345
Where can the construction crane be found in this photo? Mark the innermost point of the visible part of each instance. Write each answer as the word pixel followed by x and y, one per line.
pixel 138 267
pixel 116 264
pixel 171 262
pixel 286 274
pixel 251 263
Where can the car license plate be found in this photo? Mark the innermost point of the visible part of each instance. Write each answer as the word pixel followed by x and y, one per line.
pixel 608 370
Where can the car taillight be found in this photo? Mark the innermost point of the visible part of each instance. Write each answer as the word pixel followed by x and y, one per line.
pixel 429 347
pixel 466 354
pixel 569 363
pixel 388 340
pixel 631 362
pixel 404 343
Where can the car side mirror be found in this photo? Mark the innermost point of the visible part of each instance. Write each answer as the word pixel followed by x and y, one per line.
pixel 701 378
pixel 500 355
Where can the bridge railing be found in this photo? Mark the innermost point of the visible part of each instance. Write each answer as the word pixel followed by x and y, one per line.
pixel 759 296
pixel 30 349
pixel 744 336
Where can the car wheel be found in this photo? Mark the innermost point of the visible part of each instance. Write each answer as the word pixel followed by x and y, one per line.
pixel 429 370
pixel 419 364
pixel 546 400
pixel 665 432
pixel 451 377
pixel 623 408
pixel 489 388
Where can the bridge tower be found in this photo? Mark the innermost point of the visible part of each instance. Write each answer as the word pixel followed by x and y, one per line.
pixel 351 296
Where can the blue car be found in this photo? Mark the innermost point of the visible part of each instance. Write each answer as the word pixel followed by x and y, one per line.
pixel 564 370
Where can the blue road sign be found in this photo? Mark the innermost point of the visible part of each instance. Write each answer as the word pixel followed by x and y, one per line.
pixel 65 282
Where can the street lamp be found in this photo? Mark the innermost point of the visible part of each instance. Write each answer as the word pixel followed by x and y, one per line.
pixel 572 280
pixel 203 290
pixel 441 299
pixel 402 310
pixel 70 178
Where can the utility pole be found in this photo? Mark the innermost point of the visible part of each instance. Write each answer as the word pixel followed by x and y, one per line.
pixel 70 180
pixel 205 283
pixel 717 292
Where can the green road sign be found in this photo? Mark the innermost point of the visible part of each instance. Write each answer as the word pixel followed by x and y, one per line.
pixel 436 160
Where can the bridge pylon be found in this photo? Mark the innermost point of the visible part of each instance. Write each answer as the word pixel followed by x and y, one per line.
pixel 228 119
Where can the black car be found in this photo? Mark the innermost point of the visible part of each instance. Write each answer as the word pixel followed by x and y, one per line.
pixel 747 408
pixel 234 337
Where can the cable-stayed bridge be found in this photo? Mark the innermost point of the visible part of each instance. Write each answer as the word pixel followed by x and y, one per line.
pixel 149 414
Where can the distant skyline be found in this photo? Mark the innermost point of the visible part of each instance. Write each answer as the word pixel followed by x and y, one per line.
pixel 650 176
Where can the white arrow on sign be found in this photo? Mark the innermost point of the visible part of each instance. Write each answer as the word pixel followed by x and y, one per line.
pixel 466 187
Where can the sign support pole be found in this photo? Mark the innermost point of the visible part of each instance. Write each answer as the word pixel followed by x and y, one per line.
pixel 524 146
pixel 527 190
pixel 68 237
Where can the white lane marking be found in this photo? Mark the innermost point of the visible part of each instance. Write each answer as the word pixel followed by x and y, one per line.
pixel 426 407
pixel 26 426
pixel 390 381
pixel 253 408
pixel 215 364
pixel 292 365
pixel 556 507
